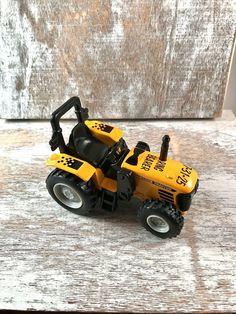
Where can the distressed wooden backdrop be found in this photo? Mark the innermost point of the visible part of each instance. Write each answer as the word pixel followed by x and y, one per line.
pixel 126 59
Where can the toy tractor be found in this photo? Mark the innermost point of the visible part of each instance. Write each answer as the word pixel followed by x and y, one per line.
pixel 96 168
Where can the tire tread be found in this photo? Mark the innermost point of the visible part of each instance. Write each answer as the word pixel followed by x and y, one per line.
pixel 165 208
pixel 87 187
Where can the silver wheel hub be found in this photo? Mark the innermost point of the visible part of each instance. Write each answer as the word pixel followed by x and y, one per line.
pixel 67 195
pixel 158 224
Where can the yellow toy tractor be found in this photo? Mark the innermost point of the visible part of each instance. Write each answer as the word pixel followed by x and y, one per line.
pixel 96 168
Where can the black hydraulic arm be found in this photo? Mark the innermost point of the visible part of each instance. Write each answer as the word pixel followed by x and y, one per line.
pixel 57 139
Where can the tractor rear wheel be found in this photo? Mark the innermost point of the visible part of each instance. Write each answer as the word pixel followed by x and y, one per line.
pixel 71 192
pixel 161 219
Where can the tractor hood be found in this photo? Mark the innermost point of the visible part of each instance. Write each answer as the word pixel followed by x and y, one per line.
pixel 169 173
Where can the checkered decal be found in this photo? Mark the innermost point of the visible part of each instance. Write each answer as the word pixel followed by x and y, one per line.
pixel 102 127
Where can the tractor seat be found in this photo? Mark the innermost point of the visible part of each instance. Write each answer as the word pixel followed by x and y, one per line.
pixel 86 146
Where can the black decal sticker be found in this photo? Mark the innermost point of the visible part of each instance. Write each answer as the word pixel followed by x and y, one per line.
pixel 71 162
pixel 185 173
pixel 160 165
pixel 103 127
pixel 164 186
pixel 146 165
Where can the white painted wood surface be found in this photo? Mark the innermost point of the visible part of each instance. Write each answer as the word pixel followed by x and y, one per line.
pixel 133 59
pixel 51 259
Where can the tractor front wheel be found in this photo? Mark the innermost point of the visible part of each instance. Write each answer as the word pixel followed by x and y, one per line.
pixel 71 192
pixel 161 219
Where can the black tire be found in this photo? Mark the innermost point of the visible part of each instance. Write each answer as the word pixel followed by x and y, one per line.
pixel 161 219
pixel 71 192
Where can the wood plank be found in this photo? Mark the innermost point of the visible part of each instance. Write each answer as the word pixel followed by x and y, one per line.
pixel 126 59
pixel 51 259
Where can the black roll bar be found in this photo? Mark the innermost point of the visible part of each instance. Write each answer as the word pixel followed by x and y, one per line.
pixel 57 139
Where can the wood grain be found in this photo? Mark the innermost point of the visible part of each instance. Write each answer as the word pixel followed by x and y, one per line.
pixel 51 259
pixel 126 59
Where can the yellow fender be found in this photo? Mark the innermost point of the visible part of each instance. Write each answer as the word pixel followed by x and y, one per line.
pixel 76 166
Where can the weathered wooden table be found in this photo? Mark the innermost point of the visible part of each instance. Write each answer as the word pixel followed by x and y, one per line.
pixel 51 259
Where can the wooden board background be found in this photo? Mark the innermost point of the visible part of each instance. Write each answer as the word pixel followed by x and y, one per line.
pixel 51 259
pixel 126 59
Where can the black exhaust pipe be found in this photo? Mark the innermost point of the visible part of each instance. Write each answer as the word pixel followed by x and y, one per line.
pixel 164 148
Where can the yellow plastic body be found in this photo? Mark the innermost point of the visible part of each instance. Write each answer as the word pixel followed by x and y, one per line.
pixel 83 170
pixel 76 166
pixel 102 182
pixel 106 133
pixel 109 135
pixel 152 177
